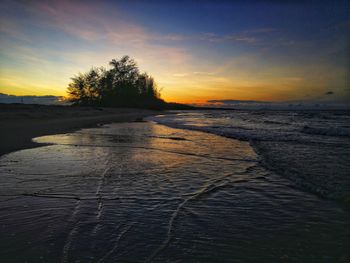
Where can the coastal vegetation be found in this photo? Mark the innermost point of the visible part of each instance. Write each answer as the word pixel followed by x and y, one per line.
pixel 122 85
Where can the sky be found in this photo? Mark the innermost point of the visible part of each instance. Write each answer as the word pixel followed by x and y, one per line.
pixel 196 50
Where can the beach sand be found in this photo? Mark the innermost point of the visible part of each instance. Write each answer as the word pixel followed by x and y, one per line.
pixel 20 123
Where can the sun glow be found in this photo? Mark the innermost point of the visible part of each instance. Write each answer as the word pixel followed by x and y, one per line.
pixel 44 44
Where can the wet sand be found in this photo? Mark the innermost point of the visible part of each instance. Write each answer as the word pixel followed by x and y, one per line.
pixel 143 192
pixel 20 123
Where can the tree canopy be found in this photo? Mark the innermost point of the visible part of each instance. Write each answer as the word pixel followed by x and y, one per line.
pixel 120 86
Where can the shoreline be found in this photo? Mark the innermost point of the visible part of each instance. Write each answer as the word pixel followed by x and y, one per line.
pixel 21 123
pixel 139 177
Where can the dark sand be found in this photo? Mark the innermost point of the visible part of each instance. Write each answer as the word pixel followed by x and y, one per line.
pixel 20 123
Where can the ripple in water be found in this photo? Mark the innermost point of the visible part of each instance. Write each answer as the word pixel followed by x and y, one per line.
pixel 142 192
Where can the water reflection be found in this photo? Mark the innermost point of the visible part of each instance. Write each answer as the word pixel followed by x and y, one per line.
pixel 144 192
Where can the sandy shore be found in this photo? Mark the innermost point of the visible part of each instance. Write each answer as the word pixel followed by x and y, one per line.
pixel 20 123
pixel 144 192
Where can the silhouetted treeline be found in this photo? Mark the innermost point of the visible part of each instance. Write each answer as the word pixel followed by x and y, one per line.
pixel 121 86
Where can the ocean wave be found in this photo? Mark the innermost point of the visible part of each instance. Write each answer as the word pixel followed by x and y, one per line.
pixel 329 131
pixel 305 148
pixel 274 126
pixel 239 133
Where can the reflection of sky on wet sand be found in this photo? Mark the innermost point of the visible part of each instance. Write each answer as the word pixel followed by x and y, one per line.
pixel 145 192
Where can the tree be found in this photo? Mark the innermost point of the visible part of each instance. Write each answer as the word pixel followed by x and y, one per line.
pixel 120 86
pixel 76 89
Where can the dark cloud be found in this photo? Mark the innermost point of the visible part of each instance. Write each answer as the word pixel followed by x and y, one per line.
pixel 45 100
pixel 234 102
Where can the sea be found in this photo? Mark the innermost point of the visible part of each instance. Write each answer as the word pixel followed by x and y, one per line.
pixel 183 186
pixel 309 147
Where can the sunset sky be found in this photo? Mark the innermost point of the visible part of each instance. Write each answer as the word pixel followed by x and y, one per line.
pixel 196 50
